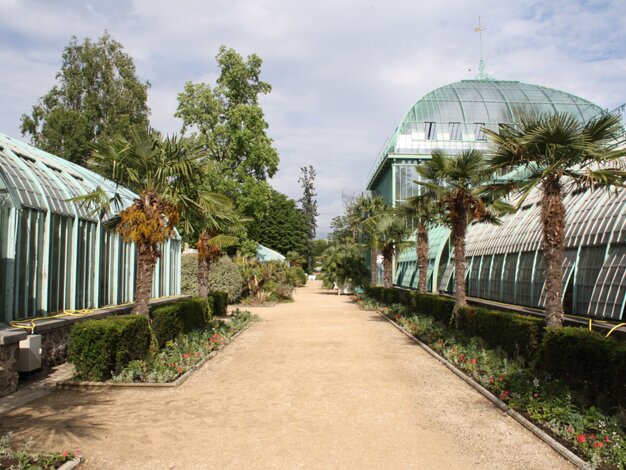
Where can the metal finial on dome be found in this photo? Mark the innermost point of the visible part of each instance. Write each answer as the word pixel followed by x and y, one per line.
pixel 482 69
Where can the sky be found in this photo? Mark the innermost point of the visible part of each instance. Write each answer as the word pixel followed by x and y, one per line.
pixel 343 72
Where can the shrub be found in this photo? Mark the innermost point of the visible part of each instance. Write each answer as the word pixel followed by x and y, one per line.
pixel 297 276
pixel 100 348
pixel 189 274
pixel 224 276
pixel 218 302
pixel 518 335
pixel 183 316
pixel 588 362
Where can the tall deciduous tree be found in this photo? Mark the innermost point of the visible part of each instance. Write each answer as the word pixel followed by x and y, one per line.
pixel 97 97
pixel 228 123
pixel 283 228
pixel 460 183
pixel 559 153
pixel 308 203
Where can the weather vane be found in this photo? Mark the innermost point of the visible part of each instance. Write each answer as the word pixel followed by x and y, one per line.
pixel 482 73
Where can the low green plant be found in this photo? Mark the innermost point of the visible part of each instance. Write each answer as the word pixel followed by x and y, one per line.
pixel 218 302
pixel 183 316
pixel 225 276
pixel 541 394
pixel 22 458
pixel 185 352
pixel 100 348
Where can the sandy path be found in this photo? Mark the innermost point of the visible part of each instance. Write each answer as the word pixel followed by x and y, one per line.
pixel 316 384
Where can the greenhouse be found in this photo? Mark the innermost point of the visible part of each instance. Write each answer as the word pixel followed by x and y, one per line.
pixel 504 263
pixel 54 254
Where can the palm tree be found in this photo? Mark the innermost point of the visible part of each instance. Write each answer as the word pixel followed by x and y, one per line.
pixel 558 153
pixel 460 184
pixel 420 211
pixel 157 169
pixel 363 209
pixel 387 234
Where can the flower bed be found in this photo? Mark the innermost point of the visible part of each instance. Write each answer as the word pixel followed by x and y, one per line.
pixel 23 458
pixel 185 352
pixel 549 402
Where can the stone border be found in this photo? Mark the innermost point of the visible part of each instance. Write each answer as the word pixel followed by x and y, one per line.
pixel 545 437
pixel 86 385
pixel 71 464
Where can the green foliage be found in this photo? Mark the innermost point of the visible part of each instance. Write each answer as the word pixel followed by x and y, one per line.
pixel 185 352
pixel 99 348
pixel 97 97
pixel 345 265
pixel 272 281
pixel 588 362
pixel 189 274
pixel 283 228
pixel 228 123
pixel 308 204
pixel 518 335
pixel 171 320
pixel 224 276
pixel 219 302
pixel 22 458
pixel 297 276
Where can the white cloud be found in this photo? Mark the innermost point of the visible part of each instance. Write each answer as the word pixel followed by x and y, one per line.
pixel 343 72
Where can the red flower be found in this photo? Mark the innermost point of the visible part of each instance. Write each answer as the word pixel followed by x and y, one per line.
pixel 491 380
pixel 598 444
pixel 581 438
pixel 592 437
pixel 569 429
pixel 501 378
pixel 179 369
pixel 76 452
pixel 473 361
pixel 606 439
pixel 186 356
pixel 65 453
pixel 504 394
pixel 535 395
pixel 172 365
pixel 462 357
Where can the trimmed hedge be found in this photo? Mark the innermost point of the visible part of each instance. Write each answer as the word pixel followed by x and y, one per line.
pixel 218 301
pixel 588 361
pixel 171 320
pixel 100 348
pixel 518 335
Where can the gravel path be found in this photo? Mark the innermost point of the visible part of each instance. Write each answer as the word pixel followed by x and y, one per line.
pixel 318 383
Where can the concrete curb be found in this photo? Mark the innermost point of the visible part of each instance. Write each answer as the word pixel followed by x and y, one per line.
pixel 86 385
pixel 545 437
pixel 74 463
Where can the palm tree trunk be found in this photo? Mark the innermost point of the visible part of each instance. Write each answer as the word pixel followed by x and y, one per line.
pixel 387 266
pixel 146 261
pixel 421 247
pixel 203 276
pixel 459 230
pixel 553 224
pixel 373 256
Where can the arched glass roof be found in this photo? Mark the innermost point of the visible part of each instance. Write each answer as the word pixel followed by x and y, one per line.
pixel 451 117
pixel 32 178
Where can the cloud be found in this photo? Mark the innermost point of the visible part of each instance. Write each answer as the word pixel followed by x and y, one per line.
pixel 343 72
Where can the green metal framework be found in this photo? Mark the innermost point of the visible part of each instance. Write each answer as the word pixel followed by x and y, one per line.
pixel 504 263
pixel 54 254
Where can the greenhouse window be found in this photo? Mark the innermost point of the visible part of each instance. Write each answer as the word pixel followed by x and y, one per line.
pixel 430 130
pixel 455 131
pixel 479 132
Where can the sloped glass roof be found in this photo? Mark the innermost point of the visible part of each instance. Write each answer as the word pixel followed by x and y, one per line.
pixel 451 117
pixel 39 180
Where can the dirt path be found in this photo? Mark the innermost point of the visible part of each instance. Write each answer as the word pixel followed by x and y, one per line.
pixel 317 383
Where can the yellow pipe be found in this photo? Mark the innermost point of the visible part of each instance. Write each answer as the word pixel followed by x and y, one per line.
pixel 615 328
pixel 31 322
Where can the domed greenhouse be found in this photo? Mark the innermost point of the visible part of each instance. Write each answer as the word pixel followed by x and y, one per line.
pixel 504 263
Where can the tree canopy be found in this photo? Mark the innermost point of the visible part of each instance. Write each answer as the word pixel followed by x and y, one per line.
pixel 283 228
pixel 98 96
pixel 229 124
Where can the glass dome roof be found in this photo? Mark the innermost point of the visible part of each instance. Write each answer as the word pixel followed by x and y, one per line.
pixel 451 117
pixel 32 178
